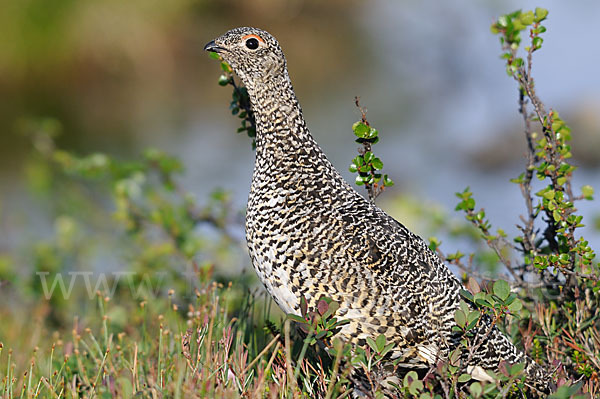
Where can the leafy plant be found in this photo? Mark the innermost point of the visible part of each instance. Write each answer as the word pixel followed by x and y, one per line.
pixel 549 264
pixel 240 101
pixel 366 165
pixel 321 323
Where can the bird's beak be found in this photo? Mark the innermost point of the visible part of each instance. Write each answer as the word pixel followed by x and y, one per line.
pixel 212 46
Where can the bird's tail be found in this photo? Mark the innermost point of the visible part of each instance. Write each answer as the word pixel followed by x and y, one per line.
pixel 498 348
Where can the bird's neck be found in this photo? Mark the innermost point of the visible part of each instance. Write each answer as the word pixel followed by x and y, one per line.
pixel 281 131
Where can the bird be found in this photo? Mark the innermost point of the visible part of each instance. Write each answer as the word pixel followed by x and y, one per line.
pixel 310 234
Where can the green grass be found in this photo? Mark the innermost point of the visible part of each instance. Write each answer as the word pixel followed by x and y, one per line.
pixel 157 348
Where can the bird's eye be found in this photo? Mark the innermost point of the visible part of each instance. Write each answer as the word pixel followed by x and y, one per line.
pixel 252 43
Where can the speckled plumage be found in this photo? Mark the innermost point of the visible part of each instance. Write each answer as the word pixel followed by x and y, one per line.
pixel 310 233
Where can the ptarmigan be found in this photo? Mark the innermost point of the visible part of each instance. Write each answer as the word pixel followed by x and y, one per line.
pixel 310 233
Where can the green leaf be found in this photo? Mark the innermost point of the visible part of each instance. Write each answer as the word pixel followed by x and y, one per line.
pixel 473 316
pixel 566 391
pixel 386 349
pixel 515 306
pixel 377 164
pixel 511 298
pixel 467 295
pixel 519 179
pixel 380 342
pixel 295 318
pixel 587 191
pixel 476 389
pixel 321 334
pixel 455 256
pixel 387 182
pixel 556 215
pixel 342 322
pixel 516 369
pixel 483 302
pixel 332 308
pixel 464 377
pixel 415 387
pixel 503 21
pixel 434 243
pixel 464 307
pixel 409 378
pixel 501 289
pixel 549 194
pixel 225 67
pixel 360 129
pixel 373 133
pixel 223 80
pixel 527 18
pixel 460 318
pixel 371 342
pixel 540 14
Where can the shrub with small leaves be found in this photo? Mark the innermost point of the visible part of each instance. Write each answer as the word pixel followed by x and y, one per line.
pixel 240 100
pixel 549 266
pixel 321 323
pixel 366 165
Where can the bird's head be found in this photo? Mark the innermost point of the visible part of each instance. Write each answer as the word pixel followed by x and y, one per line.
pixel 254 55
